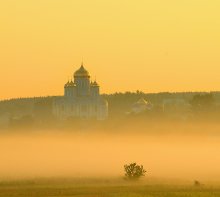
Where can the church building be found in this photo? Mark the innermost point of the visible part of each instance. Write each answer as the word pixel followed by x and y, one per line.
pixel 81 99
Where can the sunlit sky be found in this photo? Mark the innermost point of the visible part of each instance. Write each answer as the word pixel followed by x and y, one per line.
pixel 127 45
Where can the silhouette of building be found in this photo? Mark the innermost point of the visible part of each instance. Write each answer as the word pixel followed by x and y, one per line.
pixel 81 99
pixel 140 106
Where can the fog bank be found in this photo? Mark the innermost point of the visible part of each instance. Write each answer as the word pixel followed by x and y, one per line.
pixel 102 154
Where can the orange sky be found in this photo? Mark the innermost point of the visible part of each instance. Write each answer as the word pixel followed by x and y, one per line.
pixel 128 45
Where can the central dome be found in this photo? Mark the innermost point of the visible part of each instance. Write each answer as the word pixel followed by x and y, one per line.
pixel 81 72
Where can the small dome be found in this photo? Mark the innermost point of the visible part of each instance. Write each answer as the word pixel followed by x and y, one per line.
pixel 71 84
pixel 94 84
pixel 67 84
pixel 81 72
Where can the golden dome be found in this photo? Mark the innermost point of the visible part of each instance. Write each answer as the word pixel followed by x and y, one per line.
pixel 81 72
pixel 67 84
pixel 71 84
pixel 95 83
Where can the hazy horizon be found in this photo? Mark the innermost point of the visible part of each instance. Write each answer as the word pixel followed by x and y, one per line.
pixel 103 93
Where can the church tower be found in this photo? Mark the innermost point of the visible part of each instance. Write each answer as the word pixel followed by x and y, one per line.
pixel 94 89
pixel 81 99
pixel 82 81
pixel 70 89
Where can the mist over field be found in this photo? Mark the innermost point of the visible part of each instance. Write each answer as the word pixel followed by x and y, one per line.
pixel 110 98
pixel 166 150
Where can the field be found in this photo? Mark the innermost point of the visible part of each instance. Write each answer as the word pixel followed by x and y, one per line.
pixel 94 188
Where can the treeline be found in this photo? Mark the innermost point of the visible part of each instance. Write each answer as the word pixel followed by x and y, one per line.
pixel 23 106
pixel 121 102
pixel 118 102
pixel 186 105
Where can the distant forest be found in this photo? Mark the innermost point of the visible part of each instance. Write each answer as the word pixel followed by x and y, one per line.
pixel 119 105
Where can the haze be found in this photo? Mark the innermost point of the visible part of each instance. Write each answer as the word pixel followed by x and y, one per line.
pixel 152 46
pixel 168 151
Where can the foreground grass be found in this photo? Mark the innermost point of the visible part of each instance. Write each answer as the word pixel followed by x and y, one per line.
pixel 101 189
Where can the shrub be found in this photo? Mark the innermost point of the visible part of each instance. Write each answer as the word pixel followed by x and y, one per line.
pixel 134 171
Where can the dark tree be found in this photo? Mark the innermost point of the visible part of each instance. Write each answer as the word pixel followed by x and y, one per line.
pixel 134 171
pixel 201 102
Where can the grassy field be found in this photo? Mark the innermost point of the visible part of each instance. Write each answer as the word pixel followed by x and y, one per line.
pixel 42 188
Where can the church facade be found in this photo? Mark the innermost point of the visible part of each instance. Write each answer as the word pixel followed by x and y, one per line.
pixel 81 99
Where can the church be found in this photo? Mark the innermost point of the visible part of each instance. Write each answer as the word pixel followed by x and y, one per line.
pixel 81 99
